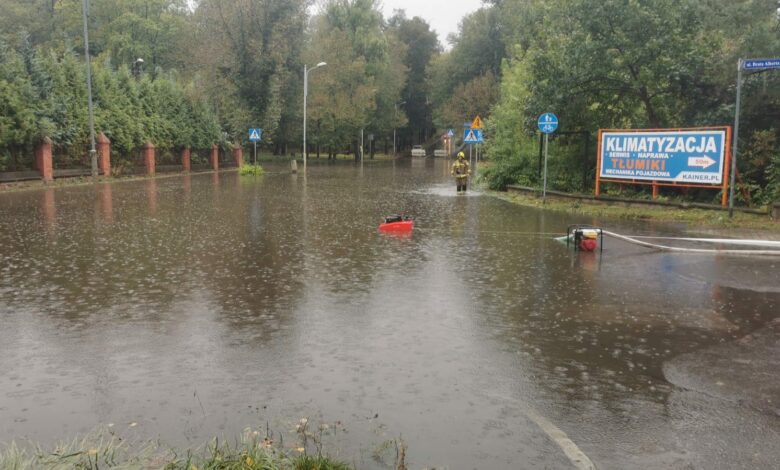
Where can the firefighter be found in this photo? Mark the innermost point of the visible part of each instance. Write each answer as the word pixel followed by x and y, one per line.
pixel 461 172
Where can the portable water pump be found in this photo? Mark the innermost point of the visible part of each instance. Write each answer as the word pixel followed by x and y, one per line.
pixel 585 237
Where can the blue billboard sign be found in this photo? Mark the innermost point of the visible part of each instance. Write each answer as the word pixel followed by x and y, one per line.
pixel 685 156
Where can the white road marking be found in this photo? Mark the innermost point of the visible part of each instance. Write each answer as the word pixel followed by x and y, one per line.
pixel 574 453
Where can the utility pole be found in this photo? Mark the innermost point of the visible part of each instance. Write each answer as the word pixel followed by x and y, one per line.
pixel 306 72
pixel 92 151
pixel 735 145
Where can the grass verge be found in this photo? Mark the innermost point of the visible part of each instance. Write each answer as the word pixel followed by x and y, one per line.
pixel 692 216
pixel 103 449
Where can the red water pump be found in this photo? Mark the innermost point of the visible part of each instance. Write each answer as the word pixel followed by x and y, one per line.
pixel 585 237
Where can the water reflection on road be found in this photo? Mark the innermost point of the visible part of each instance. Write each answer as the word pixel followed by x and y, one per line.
pixel 198 305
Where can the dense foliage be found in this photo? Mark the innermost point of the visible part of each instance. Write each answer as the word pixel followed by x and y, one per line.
pixel 210 70
pixel 43 93
pixel 213 68
pixel 636 64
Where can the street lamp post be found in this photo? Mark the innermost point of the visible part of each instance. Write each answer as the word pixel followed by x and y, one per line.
pixel 305 95
pixel 395 118
pixel 92 151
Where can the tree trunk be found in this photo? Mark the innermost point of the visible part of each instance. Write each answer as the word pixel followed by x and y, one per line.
pixel 652 115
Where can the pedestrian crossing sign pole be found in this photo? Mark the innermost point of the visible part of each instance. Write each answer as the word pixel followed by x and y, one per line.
pixel 255 136
pixel 473 136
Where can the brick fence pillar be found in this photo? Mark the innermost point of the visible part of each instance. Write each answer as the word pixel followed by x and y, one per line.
pixel 104 154
pixel 214 158
pixel 149 160
pixel 43 160
pixel 238 155
pixel 185 159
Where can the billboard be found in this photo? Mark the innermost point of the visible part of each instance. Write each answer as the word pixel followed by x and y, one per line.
pixel 684 156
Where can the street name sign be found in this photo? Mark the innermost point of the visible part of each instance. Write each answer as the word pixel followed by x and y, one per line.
pixel 760 64
pixel 255 135
pixel 675 156
pixel 547 123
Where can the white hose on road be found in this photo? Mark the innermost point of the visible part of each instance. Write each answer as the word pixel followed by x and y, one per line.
pixel 701 250
pixel 724 241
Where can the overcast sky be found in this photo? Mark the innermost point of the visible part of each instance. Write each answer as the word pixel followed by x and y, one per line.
pixel 442 15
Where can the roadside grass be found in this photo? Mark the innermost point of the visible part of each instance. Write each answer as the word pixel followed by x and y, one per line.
pixel 103 449
pixel 692 216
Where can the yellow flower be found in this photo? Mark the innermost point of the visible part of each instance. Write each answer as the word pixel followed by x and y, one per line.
pixel 300 449
pixel 93 452
pixel 249 461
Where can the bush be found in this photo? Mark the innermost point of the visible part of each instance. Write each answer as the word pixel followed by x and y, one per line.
pixel 251 170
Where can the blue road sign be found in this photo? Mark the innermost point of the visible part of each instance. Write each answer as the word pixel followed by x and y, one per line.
pixel 450 133
pixel 255 135
pixel 548 122
pixel 760 64
pixel 695 156
pixel 473 136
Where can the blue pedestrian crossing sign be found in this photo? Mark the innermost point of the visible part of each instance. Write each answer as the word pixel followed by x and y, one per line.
pixel 473 136
pixel 255 135
pixel 548 122
pixel 450 133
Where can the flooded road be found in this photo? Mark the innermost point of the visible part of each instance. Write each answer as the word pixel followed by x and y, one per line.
pixel 194 306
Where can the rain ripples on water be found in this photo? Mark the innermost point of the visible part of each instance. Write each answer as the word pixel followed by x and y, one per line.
pixel 194 306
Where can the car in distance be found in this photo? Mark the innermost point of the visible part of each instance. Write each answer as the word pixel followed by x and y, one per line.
pixel 418 151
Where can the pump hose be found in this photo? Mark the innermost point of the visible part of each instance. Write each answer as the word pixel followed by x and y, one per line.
pixel 693 250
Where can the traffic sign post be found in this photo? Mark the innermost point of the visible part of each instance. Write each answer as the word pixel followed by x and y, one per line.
pixel 753 65
pixel 255 136
pixel 473 136
pixel 548 123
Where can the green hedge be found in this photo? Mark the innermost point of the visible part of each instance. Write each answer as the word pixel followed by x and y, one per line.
pixel 44 94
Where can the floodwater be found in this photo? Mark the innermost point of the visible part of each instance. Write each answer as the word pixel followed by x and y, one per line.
pixel 195 306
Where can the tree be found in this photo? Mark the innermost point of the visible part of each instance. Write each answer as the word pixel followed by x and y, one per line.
pixel 249 52
pixel 474 63
pixel 17 118
pixel 422 45
pixel 364 77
